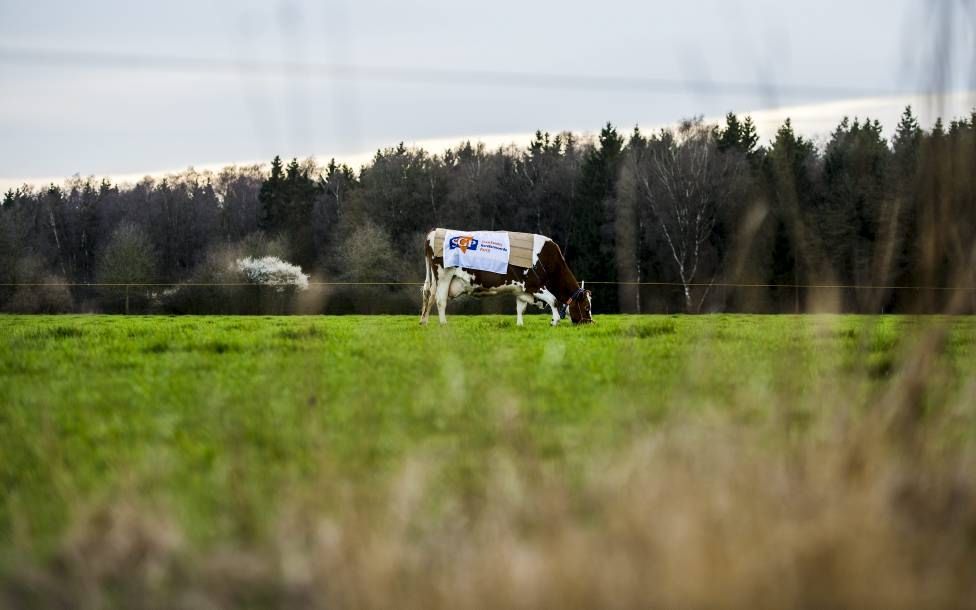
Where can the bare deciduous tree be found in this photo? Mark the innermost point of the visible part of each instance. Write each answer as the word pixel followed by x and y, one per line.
pixel 683 180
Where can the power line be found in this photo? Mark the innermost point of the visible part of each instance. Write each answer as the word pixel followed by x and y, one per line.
pixel 414 75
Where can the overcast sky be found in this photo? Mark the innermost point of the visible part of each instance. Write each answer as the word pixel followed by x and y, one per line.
pixel 86 87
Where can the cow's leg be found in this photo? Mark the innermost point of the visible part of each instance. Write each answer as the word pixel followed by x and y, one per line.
pixel 427 305
pixel 427 295
pixel 520 305
pixel 424 300
pixel 442 292
pixel 549 299
pixel 431 298
pixel 555 315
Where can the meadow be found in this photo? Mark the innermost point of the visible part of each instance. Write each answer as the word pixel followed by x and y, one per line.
pixel 365 461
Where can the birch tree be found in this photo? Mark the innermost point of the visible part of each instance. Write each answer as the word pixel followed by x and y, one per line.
pixel 683 180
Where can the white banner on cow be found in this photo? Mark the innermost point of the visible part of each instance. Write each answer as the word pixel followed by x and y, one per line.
pixel 483 250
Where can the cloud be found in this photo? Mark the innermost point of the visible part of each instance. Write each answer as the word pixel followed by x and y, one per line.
pixel 815 121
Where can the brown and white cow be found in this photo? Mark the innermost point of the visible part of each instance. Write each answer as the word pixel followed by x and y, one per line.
pixel 548 282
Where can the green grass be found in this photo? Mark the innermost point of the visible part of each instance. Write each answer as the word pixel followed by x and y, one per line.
pixel 219 419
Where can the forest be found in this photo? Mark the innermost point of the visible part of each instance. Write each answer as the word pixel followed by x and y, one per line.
pixel 696 218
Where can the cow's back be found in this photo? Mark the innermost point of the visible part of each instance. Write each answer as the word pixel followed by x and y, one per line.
pixel 524 247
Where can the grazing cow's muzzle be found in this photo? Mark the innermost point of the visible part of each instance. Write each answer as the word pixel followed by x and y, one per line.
pixel 580 306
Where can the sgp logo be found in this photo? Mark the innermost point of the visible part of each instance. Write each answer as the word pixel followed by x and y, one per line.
pixel 464 242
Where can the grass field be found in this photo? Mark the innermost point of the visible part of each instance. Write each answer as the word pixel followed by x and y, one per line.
pixel 370 462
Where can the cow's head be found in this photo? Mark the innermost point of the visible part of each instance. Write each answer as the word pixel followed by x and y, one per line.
pixel 580 306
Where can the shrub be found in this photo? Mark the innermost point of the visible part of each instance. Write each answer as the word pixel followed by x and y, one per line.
pixel 272 271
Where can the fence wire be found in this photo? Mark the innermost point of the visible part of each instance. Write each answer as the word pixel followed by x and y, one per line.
pixel 595 282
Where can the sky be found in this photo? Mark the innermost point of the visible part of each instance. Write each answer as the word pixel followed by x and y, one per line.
pixel 124 89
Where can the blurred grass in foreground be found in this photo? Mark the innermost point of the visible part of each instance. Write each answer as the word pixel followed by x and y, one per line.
pixel 707 461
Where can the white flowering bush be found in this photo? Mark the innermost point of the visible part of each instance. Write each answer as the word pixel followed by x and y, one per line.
pixel 272 271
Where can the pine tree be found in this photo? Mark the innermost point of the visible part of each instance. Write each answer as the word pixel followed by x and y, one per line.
pixel 738 136
pixel 287 200
pixel 300 192
pixel 750 137
pixel 790 184
pixel 906 152
pixel 591 248
pixel 270 198
pixel 856 162
pixel 906 143
pixel 731 136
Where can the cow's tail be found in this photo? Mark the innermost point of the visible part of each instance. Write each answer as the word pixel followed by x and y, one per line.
pixel 428 289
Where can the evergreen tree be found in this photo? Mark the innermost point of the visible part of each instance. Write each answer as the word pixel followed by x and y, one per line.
pixel 737 136
pixel 749 139
pixel 287 201
pixel 789 172
pixel 301 194
pixel 906 144
pixel 271 196
pixel 89 230
pixel 591 248
pixel 906 153
pixel 729 136
pixel 854 207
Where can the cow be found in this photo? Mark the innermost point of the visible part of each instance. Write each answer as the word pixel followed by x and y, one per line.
pixel 547 282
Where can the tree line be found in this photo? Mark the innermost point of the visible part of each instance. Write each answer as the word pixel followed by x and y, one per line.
pixel 693 218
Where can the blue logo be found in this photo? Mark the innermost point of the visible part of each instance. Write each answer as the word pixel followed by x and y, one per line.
pixel 465 242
